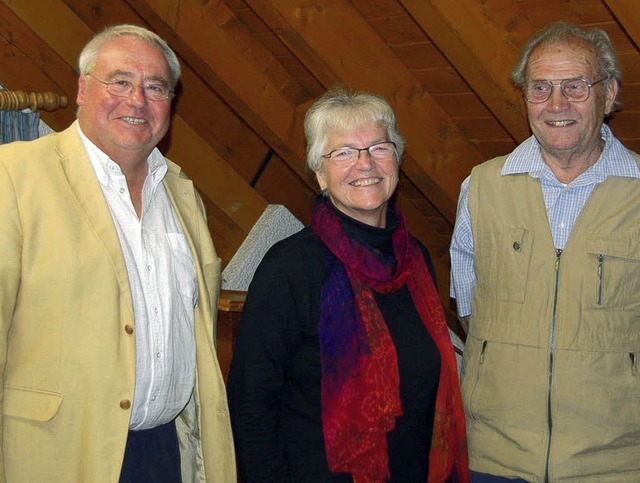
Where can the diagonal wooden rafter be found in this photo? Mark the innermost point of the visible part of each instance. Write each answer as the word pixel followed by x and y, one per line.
pixel 439 156
pixel 626 12
pixel 224 64
pixel 456 27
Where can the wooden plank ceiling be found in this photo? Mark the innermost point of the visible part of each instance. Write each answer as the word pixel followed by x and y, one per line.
pixel 252 67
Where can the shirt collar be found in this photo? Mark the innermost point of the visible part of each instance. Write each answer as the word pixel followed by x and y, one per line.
pixel 105 167
pixel 615 160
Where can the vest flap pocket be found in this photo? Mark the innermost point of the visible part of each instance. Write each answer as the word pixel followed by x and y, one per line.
pixel 613 246
pixel 514 254
pixel 30 403
pixel 502 263
pixel 615 272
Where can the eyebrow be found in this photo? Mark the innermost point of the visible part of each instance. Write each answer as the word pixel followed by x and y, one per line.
pixel 375 141
pixel 126 73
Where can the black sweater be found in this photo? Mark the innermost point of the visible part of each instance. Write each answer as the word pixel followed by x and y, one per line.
pixel 275 381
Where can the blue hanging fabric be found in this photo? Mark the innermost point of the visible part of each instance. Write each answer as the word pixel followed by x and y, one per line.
pixel 18 126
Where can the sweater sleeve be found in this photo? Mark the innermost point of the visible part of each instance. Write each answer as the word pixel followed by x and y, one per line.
pixel 257 374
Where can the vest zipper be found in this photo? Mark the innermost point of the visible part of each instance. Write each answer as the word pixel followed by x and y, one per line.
pixel 484 347
pixel 600 282
pixel 551 351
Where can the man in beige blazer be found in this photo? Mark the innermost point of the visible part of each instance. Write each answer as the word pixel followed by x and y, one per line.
pixel 109 285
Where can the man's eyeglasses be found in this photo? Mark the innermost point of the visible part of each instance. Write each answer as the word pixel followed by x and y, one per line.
pixel 575 90
pixel 123 88
pixel 383 151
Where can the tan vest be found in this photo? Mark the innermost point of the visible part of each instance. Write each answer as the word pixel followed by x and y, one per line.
pixel 551 383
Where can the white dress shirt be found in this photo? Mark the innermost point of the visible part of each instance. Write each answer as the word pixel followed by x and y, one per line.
pixel 164 289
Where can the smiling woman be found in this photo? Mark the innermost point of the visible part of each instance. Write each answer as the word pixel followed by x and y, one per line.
pixel 345 315
pixel 359 171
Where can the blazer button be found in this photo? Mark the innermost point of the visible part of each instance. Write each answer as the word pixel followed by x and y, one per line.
pixel 125 404
pixel 128 329
pixel 516 246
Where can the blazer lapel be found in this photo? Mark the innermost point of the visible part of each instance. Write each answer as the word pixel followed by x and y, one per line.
pixel 87 190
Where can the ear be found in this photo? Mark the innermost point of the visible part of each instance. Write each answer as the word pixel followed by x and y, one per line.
pixel 321 180
pixel 610 96
pixel 82 90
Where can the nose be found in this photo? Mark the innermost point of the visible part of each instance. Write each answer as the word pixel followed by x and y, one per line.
pixel 364 160
pixel 136 97
pixel 557 100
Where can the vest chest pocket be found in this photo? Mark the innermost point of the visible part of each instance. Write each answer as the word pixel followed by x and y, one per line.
pixel 502 264
pixel 615 278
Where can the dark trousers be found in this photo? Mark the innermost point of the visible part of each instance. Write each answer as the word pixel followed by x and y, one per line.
pixel 152 456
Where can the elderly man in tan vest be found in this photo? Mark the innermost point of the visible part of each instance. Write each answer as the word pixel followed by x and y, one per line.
pixel 546 273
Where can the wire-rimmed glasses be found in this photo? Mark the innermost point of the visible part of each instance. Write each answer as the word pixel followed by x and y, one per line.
pixel 574 90
pixel 153 91
pixel 382 151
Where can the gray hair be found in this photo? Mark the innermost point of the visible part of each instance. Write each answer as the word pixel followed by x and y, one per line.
pixel 91 51
pixel 345 109
pixel 569 33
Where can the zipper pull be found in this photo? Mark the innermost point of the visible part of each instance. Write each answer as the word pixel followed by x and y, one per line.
pixel 558 254
pixel 484 347
pixel 600 282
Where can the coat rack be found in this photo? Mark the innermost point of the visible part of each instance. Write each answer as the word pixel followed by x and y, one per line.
pixel 18 100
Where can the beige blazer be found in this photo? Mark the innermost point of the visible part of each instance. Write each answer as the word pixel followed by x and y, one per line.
pixel 67 329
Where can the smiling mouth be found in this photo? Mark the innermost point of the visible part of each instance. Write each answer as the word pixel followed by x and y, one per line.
pixel 134 120
pixel 366 182
pixel 560 123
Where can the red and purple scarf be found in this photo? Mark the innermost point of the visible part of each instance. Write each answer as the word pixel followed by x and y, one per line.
pixel 360 379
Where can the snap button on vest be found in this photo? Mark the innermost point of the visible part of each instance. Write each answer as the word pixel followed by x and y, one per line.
pixel 516 246
pixel 128 329
pixel 125 404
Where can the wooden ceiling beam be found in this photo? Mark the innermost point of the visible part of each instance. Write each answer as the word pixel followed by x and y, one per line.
pixel 626 13
pixel 222 60
pixel 439 156
pixel 481 52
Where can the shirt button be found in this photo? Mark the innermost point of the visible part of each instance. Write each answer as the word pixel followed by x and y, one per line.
pixel 128 329
pixel 121 190
pixel 158 355
pixel 125 404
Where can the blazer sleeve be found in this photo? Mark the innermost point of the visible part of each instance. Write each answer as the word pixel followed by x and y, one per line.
pixel 10 269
